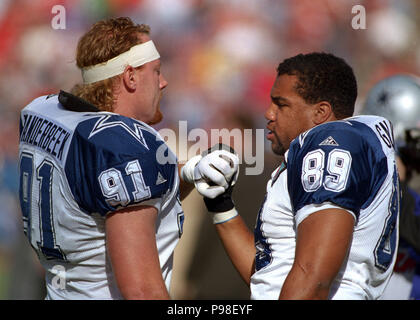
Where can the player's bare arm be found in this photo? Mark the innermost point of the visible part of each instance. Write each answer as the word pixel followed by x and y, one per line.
pixel 131 245
pixel 323 239
pixel 238 242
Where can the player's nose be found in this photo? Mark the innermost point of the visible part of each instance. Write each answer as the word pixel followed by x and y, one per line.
pixel 270 113
pixel 162 82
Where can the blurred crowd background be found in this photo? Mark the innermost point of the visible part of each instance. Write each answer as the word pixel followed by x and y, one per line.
pixel 219 57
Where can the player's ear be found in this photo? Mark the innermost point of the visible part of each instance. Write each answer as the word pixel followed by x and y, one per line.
pixel 323 112
pixel 128 78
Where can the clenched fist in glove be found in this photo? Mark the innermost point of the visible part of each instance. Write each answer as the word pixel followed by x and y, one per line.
pixel 214 173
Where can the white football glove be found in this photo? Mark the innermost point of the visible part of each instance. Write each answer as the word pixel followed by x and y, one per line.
pixel 213 172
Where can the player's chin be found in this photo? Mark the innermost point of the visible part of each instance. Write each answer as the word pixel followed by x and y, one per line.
pixel 277 149
pixel 156 118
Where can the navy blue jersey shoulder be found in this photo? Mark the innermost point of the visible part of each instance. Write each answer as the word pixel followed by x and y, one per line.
pixel 341 162
pixel 112 163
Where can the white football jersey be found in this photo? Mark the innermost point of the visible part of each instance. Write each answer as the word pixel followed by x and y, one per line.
pixel 75 168
pixel 347 164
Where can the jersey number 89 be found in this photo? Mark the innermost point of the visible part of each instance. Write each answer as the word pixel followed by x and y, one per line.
pixel 338 168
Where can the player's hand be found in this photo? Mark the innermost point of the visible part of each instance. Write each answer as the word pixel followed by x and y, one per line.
pixel 218 191
pixel 212 172
pixel 216 171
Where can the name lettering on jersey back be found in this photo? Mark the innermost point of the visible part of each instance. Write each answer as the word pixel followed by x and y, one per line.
pixel 44 134
pixel 385 132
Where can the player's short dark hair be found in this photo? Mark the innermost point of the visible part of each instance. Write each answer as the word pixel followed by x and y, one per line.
pixel 323 77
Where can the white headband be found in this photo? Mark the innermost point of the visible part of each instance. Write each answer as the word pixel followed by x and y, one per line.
pixel 135 57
